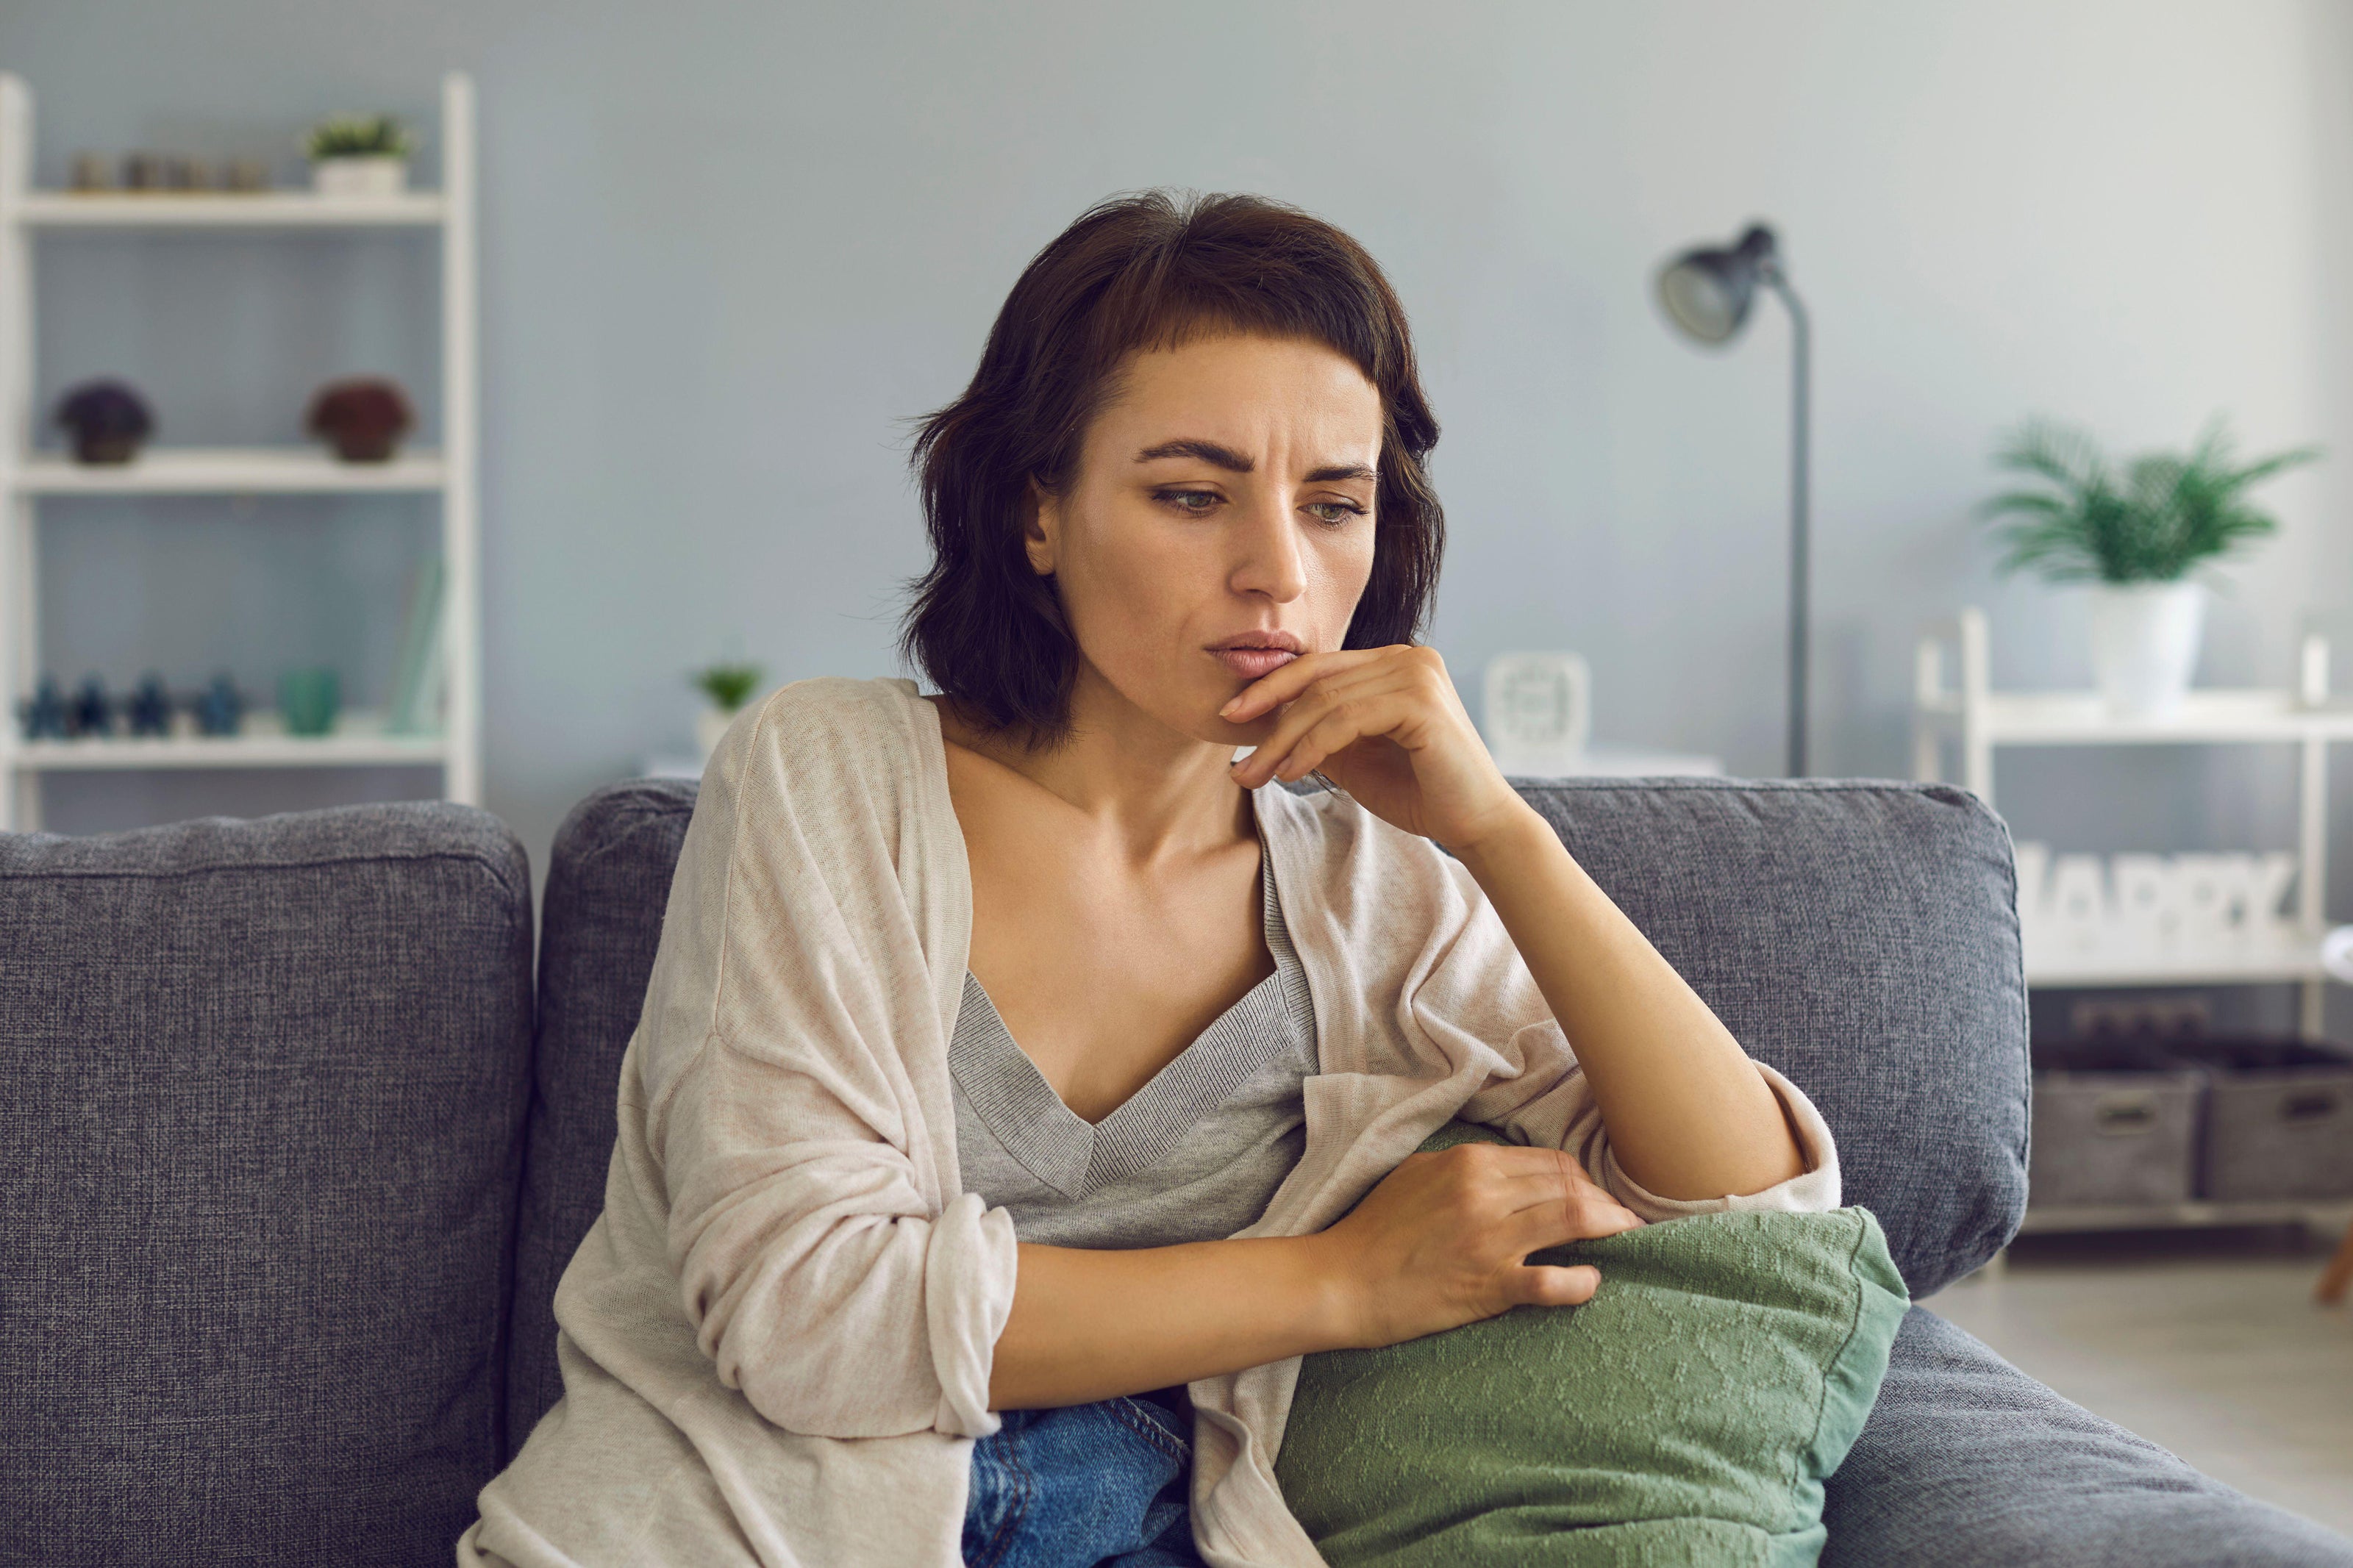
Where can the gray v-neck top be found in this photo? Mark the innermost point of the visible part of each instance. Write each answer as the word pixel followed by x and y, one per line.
pixel 1193 1155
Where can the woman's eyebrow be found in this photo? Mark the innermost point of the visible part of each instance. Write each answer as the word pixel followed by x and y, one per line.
pixel 1207 451
pixel 1226 458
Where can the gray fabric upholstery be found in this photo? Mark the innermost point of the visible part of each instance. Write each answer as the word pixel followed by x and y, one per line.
pixel 1863 938
pixel 1968 1463
pixel 607 883
pixel 269 1081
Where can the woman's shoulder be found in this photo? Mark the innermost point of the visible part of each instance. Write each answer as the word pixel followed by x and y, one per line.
pixel 835 709
pixel 827 726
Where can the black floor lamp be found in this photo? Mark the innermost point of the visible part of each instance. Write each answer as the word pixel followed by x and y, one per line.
pixel 1706 291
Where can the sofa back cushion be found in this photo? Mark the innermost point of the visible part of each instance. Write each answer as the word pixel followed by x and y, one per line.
pixel 607 883
pixel 267 1082
pixel 1861 936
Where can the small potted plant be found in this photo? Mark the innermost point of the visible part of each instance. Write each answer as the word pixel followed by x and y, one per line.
pixel 358 156
pixel 2135 534
pixel 727 686
pixel 106 419
pixel 363 418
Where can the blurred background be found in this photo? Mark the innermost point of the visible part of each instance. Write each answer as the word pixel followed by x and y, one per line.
pixel 725 252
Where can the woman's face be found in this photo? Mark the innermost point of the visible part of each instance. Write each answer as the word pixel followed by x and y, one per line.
pixel 1219 525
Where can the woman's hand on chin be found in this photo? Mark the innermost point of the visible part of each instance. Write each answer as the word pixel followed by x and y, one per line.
pixel 1385 724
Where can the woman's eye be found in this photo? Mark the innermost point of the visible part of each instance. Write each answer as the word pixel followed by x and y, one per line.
pixel 1335 512
pixel 1187 501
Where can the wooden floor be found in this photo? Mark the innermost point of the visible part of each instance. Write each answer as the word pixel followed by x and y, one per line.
pixel 2206 1343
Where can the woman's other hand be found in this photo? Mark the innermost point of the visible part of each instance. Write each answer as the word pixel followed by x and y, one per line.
pixel 1385 725
pixel 1443 1240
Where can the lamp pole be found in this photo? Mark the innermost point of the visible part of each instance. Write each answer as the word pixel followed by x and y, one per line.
pixel 1706 292
pixel 1800 376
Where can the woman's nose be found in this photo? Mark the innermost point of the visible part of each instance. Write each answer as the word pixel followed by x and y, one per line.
pixel 1271 562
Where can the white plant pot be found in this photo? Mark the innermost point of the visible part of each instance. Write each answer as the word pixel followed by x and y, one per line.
pixel 377 174
pixel 2145 645
pixel 709 725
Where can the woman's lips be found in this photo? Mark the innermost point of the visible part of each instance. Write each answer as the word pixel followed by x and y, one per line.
pixel 1250 663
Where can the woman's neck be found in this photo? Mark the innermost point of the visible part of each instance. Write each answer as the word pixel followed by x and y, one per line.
pixel 1153 790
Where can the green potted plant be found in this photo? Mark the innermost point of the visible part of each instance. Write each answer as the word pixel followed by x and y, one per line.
pixel 726 686
pixel 2137 534
pixel 358 156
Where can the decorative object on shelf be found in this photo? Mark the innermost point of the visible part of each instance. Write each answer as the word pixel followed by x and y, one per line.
pixel 1706 292
pixel 148 710
pixel 45 715
pixel 220 707
pixel 2134 910
pixel 1539 712
pixel 363 418
pixel 2136 534
pixel 1538 723
pixel 417 669
pixel 727 686
pixel 358 156
pixel 95 173
pixel 93 711
pixel 308 699
pixel 107 420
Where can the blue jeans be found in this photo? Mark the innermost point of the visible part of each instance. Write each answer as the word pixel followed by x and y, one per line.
pixel 1084 1485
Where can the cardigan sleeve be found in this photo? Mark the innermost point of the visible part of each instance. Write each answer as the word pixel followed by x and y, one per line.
pixel 795 1073
pixel 818 1280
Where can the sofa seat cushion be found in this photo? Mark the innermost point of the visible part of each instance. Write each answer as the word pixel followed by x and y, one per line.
pixel 1967 1462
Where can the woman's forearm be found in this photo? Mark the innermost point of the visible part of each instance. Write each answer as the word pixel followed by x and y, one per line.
pixel 1090 1324
pixel 1688 1113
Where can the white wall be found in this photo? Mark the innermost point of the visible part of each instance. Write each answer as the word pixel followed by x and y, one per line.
pixel 728 248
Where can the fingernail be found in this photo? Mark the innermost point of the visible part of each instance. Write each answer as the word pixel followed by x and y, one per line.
pixel 1231 704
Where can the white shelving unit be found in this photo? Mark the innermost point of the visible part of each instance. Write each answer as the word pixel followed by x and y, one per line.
pixel 27 474
pixel 1968 715
pixel 1979 719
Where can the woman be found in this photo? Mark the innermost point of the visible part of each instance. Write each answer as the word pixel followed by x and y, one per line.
pixel 1014 1062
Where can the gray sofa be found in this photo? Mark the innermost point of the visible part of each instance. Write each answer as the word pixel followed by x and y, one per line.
pixel 296 1155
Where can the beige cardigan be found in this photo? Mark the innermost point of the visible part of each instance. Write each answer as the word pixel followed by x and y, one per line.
pixel 775 1341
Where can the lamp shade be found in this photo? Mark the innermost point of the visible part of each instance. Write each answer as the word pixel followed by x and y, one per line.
pixel 1707 291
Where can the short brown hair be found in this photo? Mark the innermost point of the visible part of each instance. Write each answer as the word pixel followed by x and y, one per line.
pixel 1138 272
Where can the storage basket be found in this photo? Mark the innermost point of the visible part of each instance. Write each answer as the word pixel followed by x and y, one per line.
pixel 2115 1124
pixel 2279 1117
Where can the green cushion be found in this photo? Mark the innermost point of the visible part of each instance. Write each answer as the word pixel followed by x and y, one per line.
pixel 1687 1414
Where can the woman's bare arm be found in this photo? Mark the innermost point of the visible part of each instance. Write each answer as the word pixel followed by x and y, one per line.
pixel 1442 1240
pixel 1088 1324
pixel 1688 1113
